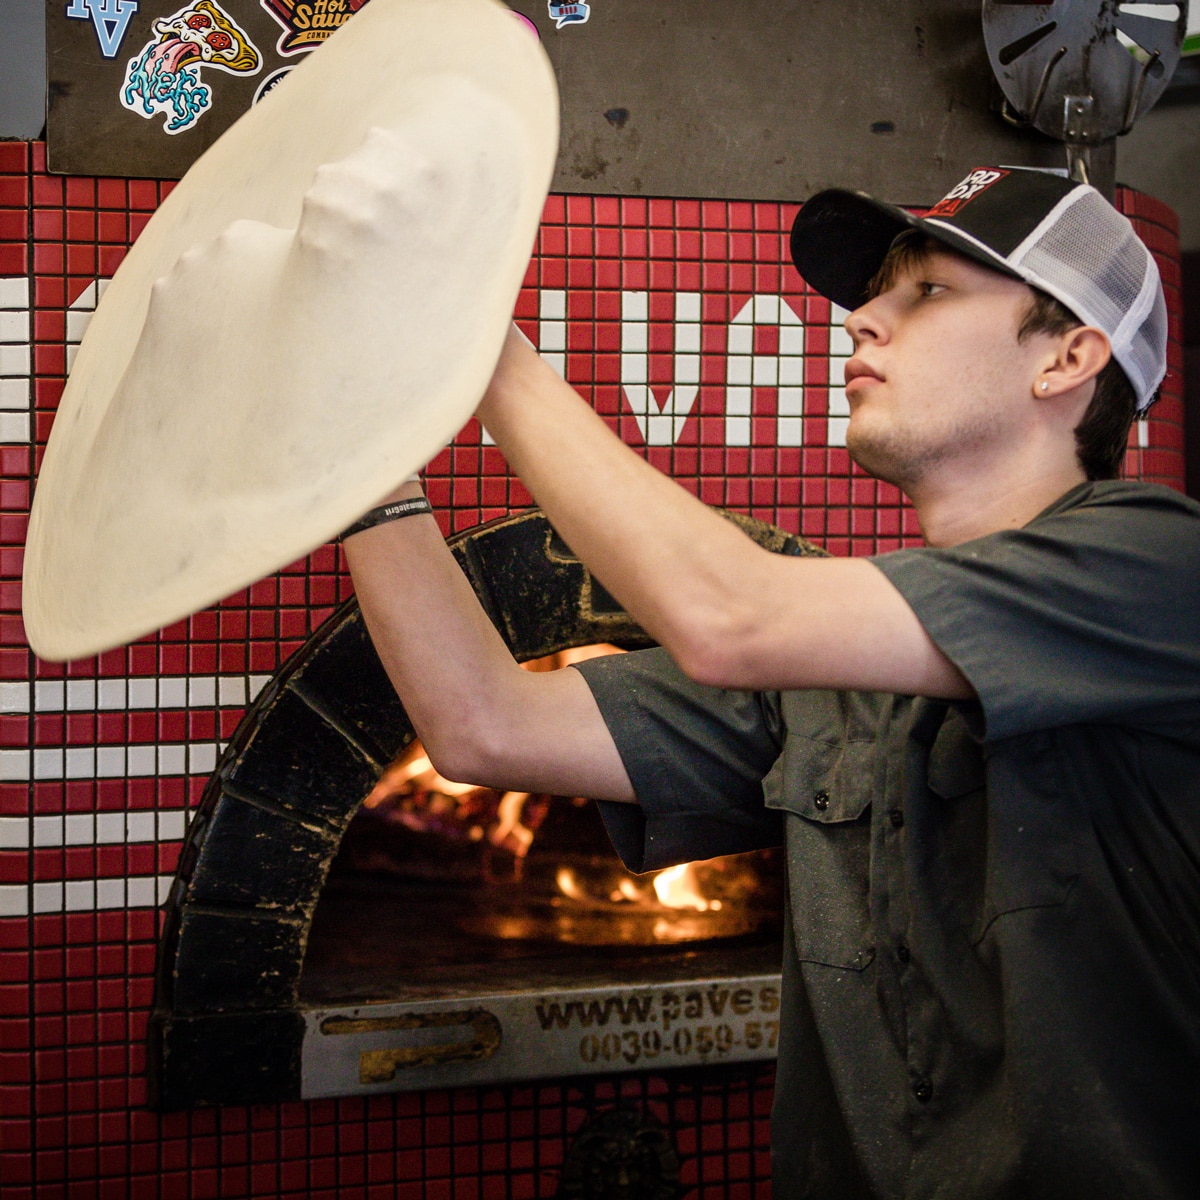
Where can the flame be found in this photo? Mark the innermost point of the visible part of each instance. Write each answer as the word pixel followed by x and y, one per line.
pixel 568 884
pixel 676 887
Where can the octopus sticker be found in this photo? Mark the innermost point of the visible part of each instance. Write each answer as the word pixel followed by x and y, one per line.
pixel 165 77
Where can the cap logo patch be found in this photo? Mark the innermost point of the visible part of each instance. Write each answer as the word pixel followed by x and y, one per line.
pixel 962 193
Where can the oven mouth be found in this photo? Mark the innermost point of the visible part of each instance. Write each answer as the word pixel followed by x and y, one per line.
pixel 285 970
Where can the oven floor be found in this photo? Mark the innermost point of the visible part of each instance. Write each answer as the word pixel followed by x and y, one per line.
pixel 377 939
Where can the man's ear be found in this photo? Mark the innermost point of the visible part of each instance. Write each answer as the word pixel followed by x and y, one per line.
pixel 1080 354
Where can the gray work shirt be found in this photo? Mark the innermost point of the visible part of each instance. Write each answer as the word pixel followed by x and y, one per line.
pixel 992 961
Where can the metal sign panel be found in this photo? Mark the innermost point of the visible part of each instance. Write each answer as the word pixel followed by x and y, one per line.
pixel 695 98
pixel 506 1037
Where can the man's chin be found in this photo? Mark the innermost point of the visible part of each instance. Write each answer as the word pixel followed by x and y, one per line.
pixel 878 456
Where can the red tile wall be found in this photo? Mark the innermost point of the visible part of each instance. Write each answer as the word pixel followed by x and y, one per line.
pixel 99 759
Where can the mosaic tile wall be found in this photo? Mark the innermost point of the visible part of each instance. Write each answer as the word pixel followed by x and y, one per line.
pixel 688 330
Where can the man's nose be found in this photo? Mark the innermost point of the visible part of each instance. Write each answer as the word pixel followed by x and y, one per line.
pixel 866 323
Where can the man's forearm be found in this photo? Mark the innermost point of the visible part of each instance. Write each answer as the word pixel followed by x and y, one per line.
pixel 481 717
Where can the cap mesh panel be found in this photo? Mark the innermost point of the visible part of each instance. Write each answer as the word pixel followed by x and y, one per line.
pixel 1092 260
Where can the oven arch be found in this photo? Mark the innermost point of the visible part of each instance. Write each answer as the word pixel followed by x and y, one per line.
pixel 226 1026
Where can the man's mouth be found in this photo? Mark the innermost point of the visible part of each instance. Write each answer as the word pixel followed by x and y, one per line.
pixel 858 372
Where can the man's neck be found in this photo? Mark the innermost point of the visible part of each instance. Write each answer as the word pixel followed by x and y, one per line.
pixel 952 512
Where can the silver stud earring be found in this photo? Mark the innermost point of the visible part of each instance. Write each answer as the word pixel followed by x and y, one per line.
pixel 1045 386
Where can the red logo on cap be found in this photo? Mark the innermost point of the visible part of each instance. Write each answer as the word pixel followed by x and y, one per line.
pixel 962 193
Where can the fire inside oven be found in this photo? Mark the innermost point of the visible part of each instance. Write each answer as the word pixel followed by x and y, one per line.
pixel 491 867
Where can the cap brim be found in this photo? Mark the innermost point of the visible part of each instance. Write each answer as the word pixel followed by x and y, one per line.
pixel 840 239
pixel 162 493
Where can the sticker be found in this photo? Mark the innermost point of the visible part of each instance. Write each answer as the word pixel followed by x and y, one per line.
pixel 569 14
pixel 271 82
pixel 110 17
pixel 307 23
pixel 962 193
pixel 165 77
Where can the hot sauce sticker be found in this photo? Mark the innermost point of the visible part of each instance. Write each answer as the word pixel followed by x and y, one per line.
pixel 165 77
pixel 307 23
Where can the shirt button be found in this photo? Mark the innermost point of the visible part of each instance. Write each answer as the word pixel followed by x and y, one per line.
pixel 902 953
pixel 896 817
pixel 821 800
pixel 923 1090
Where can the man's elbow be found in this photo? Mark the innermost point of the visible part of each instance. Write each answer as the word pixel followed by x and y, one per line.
pixel 710 650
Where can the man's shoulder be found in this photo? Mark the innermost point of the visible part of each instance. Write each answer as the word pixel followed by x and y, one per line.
pixel 1114 498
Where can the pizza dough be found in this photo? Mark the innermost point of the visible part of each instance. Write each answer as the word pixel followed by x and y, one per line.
pixel 309 317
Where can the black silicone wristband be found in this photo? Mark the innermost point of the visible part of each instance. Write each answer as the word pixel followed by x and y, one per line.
pixel 388 512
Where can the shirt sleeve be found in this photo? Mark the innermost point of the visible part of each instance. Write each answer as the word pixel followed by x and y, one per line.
pixel 1087 614
pixel 696 757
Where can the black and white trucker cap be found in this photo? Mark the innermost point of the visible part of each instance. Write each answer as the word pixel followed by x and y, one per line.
pixel 1055 234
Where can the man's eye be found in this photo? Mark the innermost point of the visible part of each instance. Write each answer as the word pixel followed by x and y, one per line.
pixel 929 288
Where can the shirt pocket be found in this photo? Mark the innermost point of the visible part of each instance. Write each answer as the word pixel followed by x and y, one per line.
pixel 1032 857
pixel 825 789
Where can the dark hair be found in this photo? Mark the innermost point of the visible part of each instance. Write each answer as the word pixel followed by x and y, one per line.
pixel 1103 434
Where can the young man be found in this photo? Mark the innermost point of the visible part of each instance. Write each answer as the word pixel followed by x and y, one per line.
pixel 983 755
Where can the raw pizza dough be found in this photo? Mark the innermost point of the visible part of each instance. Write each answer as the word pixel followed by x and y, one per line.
pixel 310 316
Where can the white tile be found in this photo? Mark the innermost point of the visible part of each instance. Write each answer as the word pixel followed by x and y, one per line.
pixel 142 761
pixel 14 897
pixel 143 693
pixel 14 326
pixel 1143 434
pixel 140 891
pixel 48 897
pixel 77 323
pixel 766 310
pixel 202 758
pixel 172 825
pixel 837 431
pixel 839 406
pixel 791 341
pixel 635 306
pixel 765 371
pixel 738 370
pixel 49 695
pixel 81 695
pixel 14 393
pixel 14 697
pixel 110 762
pixel 110 827
pixel 14 360
pixel 80 895
pixel 48 763
pixel 81 762
pixel 172 760
pixel 687 306
pixel 112 694
pixel 687 369
pixel 737 431
pixel 14 291
pixel 172 691
pixel 741 339
pixel 634 368
pixel 791 372
pixel 790 431
pixel 14 764
pixel 635 337
pixel 791 404
pixel 14 833
pixel 557 363
pixel 163 888
pixel 257 683
pixel 552 304
pixel 140 826
pixel 841 344
pixel 231 690
pixel 80 830
pixel 687 339
pixel 737 402
pixel 14 428
pixel 49 830
pixel 552 335
pixel 202 691
pixel 110 893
